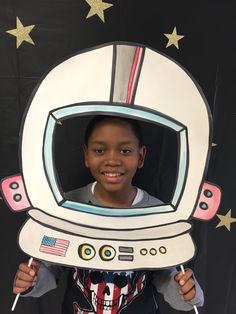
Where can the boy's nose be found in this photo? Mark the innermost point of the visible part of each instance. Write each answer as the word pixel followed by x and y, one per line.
pixel 113 159
pixel 112 163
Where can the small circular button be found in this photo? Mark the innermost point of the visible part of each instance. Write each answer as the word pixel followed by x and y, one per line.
pixel 203 205
pixel 162 250
pixel 153 251
pixel 143 251
pixel 208 193
pixel 86 251
pixel 14 185
pixel 107 253
pixel 17 197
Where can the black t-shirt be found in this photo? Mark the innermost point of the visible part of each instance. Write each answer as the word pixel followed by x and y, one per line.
pixel 103 292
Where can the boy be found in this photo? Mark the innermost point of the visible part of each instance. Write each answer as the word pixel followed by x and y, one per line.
pixel 113 152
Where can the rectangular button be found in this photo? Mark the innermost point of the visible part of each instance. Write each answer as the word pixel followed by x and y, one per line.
pixel 128 258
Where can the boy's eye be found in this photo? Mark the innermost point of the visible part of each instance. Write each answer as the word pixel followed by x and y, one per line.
pixel 99 151
pixel 125 151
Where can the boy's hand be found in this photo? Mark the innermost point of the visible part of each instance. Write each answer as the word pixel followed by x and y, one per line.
pixel 187 284
pixel 26 276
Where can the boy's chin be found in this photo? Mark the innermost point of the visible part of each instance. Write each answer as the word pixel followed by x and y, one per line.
pixel 114 188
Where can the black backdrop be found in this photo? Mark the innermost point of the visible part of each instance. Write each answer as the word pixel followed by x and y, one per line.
pixel 207 51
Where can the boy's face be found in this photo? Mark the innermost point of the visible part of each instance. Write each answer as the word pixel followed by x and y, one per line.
pixel 113 155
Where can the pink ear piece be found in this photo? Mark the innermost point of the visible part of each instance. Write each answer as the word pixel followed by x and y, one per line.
pixel 13 190
pixel 209 202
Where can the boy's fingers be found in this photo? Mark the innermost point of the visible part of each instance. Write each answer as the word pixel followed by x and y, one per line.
pixel 22 283
pixel 17 290
pixel 189 285
pixel 183 278
pixel 24 268
pixel 190 295
pixel 24 276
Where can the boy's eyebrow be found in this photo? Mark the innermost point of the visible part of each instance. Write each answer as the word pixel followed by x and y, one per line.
pixel 126 143
pixel 104 143
pixel 98 142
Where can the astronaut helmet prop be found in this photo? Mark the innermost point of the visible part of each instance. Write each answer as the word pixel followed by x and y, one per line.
pixel 117 79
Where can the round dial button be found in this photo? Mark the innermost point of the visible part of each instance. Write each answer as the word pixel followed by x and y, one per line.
pixel 86 251
pixel 162 250
pixel 107 253
pixel 14 185
pixel 143 251
pixel 208 193
pixel 153 251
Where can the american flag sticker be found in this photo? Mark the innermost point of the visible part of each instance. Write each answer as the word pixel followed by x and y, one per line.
pixel 54 246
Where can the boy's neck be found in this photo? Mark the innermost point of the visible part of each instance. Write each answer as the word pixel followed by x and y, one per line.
pixel 118 199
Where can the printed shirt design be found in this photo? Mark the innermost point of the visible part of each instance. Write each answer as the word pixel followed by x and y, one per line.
pixel 108 292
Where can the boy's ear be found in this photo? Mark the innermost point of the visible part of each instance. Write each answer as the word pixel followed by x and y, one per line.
pixel 85 150
pixel 142 154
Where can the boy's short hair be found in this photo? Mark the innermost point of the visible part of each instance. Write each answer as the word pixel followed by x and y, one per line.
pixel 135 126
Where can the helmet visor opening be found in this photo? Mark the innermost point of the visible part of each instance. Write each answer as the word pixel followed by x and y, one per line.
pixel 162 176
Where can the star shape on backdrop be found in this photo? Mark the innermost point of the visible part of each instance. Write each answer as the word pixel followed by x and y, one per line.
pixel 21 32
pixel 225 220
pixel 173 39
pixel 98 7
pixel 213 144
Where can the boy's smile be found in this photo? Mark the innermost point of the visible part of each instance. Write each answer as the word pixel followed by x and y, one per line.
pixel 113 155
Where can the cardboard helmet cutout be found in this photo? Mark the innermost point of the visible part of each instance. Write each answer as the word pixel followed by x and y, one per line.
pixel 118 79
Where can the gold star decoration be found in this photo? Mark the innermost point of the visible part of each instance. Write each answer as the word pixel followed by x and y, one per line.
pixel 22 33
pixel 225 220
pixel 173 38
pixel 98 7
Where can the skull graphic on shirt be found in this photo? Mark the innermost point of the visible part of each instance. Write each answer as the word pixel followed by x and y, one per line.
pixel 108 292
